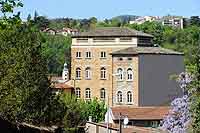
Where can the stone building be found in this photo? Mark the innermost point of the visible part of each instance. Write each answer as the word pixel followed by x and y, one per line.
pixel 123 68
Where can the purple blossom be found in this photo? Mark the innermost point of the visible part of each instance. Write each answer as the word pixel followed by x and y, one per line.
pixel 179 116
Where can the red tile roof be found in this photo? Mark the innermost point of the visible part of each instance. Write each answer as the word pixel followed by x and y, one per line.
pixel 141 113
pixel 62 86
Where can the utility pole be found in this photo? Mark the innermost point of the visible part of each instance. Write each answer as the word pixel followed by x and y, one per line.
pixel 108 115
pixel 120 124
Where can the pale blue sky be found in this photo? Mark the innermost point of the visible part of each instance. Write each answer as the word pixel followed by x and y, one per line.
pixel 109 8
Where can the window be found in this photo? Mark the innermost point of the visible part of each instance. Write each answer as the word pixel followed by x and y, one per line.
pixel 82 40
pixel 129 74
pixel 103 94
pixel 78 73
pixel 129 59
pixel 78 54
pixel 119 97
pixel 125 39
pixel 103 73
pixel 103 54
pixel 129 97
pixel 88 73
pixel 78 93
pixel 120 72
pixel 87 93
pixel 154 124
pixel 88 54
pixel 120 59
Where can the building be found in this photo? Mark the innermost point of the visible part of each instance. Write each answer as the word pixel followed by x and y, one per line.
pixel 139 116
pixel 50 31
pixel 63 32
pixel 62 83
pixel 123 68
pixel 143 19
pixel 173 21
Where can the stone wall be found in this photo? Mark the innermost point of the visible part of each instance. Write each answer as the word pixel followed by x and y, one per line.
pixel 125 85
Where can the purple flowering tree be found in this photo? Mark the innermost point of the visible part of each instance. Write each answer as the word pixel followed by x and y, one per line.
pixel 179 116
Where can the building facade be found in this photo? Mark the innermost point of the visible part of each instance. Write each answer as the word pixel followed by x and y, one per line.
pixel 108 63
pixel 173 22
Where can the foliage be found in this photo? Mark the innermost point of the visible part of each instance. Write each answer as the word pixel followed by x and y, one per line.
pixel 23 74
pixel 195 98
pixel 177 121
pixel 56 50
pixel 7 7
pixel 96 109
pixel 76 112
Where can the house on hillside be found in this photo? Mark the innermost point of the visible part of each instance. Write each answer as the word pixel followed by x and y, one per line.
pixel 50 31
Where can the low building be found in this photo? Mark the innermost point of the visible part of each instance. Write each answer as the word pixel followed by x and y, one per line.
pixel 50 31
pixel 138 116
pixel 174 22
pixel 62 84
pixel 143 19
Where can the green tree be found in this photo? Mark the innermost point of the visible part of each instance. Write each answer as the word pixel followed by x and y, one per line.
pixel 93 22
pixel 195 98
pixel 56 50
pixel 195 20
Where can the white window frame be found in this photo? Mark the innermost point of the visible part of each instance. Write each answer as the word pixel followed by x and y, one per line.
pixel 88 55
pixel 103 73
pixel 103 93
pixel 129 74
pixel 78 73
pixel 87 93
pixel 88 73
pixel 78 54
pixel 78 93
pixel 119 97
pixel 103 54
pixel 129 97
pixel 120 77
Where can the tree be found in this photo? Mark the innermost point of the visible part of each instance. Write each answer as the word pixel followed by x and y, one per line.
pixel 24 84
pixel 195 99
pixel 93 22
pixel 41 22
pixel 195 20
pixel 56 50
pixel 178 119
pixel 29 18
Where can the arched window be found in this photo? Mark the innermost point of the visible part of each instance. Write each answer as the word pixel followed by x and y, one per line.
pixel 78 73
pixel 120 72
pixel 130 74
pixel 103 73
pixel 129 97
pixel 103 93
pixel 87 93
pixel 88 73
pixel 78 92
pixel 119 97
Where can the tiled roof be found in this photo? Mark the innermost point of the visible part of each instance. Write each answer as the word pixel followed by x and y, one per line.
pixel 135 129
pixel 145 50
pixel 111 31
pixel 141 113
pixel 62 86
pixel 54 78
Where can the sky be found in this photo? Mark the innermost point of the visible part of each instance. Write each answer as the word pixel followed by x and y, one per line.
pixel 102 9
